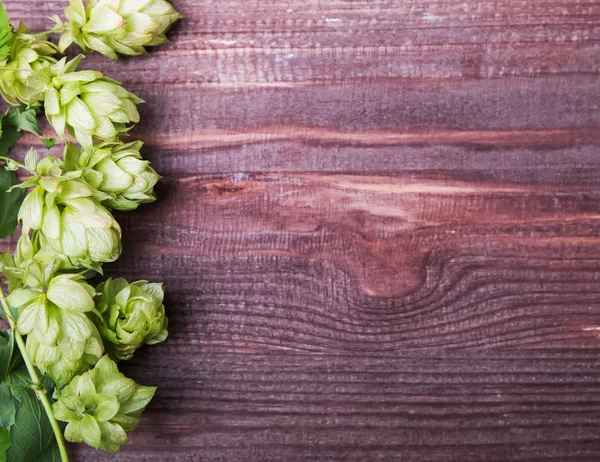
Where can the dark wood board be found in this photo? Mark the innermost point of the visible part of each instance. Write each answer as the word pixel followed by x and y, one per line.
pixel 379 230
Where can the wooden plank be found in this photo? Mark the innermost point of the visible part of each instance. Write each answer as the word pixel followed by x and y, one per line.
pixel 378 230
pixel 337 263
pixel 490 407
pixel 356 95
pixel 371 127
pixel 252 43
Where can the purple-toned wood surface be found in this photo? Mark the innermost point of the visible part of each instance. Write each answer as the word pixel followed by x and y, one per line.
pixel 379 230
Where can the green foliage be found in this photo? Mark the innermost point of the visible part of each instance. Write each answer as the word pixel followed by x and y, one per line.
pixel 12 125
pixel 49 142
pixel 9 202
pixel 8 409
pixel 9 136
pixel 22 418
pixel 9 358
pixel 4 443
pixel 9 355
pixel 31 436
pixel 23 119
pixel 16 121
pixel 69 231
pixel 6 32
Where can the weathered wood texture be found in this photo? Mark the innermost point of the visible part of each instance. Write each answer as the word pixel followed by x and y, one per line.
pixel 379 230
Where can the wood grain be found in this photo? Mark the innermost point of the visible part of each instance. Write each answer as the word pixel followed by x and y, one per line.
pixel 379 230
pixel 492 407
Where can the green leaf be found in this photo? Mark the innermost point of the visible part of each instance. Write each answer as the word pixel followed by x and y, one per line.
pixel 10 202
pixel 8 409
pixel 10 358
pixel 7 347
pixel 10 136
pixel 52 454
pixel 14 122
pixel 9 354
pixel 31 436
pixel 4 444
pixel 11 125
pixel 23 119
pixel 6 32
pixel 49 142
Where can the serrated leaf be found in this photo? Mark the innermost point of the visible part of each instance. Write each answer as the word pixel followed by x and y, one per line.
pixel 23 119
pixel 32 438
pixel 10 358
pixel 10 202
pixel 6 32
pixel 10 136
pixel 8 409
pixel 4 444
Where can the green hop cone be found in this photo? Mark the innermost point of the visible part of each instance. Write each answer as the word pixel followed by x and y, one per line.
pixel 117 169
pixel 62 341
pixel 34 262
pixel 101 406
pixel 133 315
pixel 68 215
pixel 28 55
pixel 85 104
pixel 117 26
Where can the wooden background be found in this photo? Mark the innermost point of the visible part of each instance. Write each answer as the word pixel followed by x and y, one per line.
pixel 379 230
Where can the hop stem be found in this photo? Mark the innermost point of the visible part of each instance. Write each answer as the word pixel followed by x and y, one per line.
pixel 35 380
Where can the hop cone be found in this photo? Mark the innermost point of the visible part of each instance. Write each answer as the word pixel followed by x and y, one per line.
pixel 117 26
pixel 85 103
pixel 69 217
pixel 33 263
pixel 61 340
pixel 101 405
pixel 117 169
pixel 27 56
pixel 133 315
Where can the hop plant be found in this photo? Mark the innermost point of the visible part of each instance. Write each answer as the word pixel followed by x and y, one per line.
pixel 117 26
pixel 85 104
pixel 101 406
pixel 132 314
pixel 60 327
pixel 32 255
pixel 28 55
pixel 62 341
pixel 117 169
pixel 68 215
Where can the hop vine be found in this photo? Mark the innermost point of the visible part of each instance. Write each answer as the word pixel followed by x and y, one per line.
pixel 66 336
